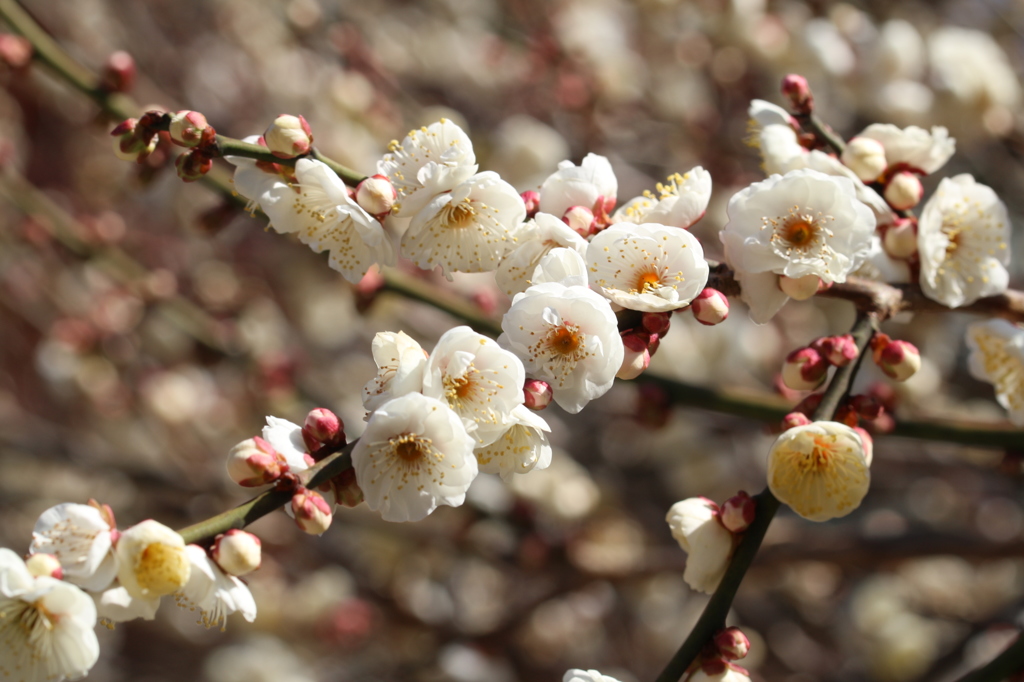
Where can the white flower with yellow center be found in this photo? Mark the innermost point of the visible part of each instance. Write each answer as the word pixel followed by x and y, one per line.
pixel 522 448
pixel 916 149
pixel 708 544
pixel 46 626
pixel 414 455
pixel 212 592
pixel 797 225
pixel 151 560
pixel 429 161
pixel 591 184
pixel 647 267
pixel 534 239
pixel 680 201
pixel 567 336
pixel 400 364
pixel 82 540
pixel 563 265
pixel 478 379
pixel 468 229
pixel 820 470
pixel 997 357
pixel 963 239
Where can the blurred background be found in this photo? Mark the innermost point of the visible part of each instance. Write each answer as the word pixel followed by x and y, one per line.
pixel 147 325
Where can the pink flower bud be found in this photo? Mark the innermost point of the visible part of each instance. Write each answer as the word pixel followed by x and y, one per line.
pixel 636 340
pixel 532 200
pixel 801 288
pixel 713 667
pixel 845 414
pixel 376 195
pixel 738 512
pixel 237 552
pixel 865 157
pixel 44 565
pixel 312 513
pixel 867 407
pixel 288 136
pixel 255 462
pixel 322 427
pixel 794 419
pixel 15 51
pixel 602 208
pixel 656 323
pixel 798 91
pixel 119 72
pixel 838 350
pixel 904 191
pixel 193 165
pixel 187 128
pixel 732 644
pixel 804 369
pixel 710 307
pixel 346 489
pixel 900 360
pixel 900 240
pixel 580 219
pixel 132 142
pixel 537 394
pixel 633 364
pixel 868 441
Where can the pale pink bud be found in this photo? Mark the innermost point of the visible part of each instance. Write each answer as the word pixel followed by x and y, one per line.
pixel 346 489
pixel 288 136
pixel 376 195
pixel 904 191
pixel 738 512
pixel 798 91
pixel 322 427
pixel 732 644
pixel 255 462
pixel 634 363
pixel 710 307
pixel 15 51
pixel 237 552
pixel 868 442
pixel 794 419
pixel 656 323
pixel 804 369
pixel 636 340
pixel 900 360
pixel 838 350
pixel 537 394
pixel 48 565
pixel 865 157
pixel 187 128
pixel 312 513
pixel 119 72
pixel 801 288
pixel 580 219
pixel 900 240
pixel 531 199
pixel 193 165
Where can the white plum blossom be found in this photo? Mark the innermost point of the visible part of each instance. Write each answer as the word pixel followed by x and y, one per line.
pixel 522 448
pixel 881 267
pixel 567 336
pixel 591 184
pixel 214 593
pixel 46 626
pixel 973 67
pixel 577 675
pixel 151 560
pixel 115 605
pixel 82 540
pixel 427 162
pixel 468 229
pixel 680 201
pixel 997 358
pixel 913 148
pixel 286 438
pixel 481 381
pixel 400 364
pixel 647 267
pixel 562 265
pixel 801 224
pixel 708 544
pixel 534 239
pixel 963 239
pixel 414 455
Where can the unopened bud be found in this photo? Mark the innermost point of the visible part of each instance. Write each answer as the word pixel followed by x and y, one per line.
pixel 846 414
pixel 531 198
pixel 193 165
pixel 255 462
pixel 732 644
pixel 801 288
pixel 710 307
pixel 312 513
pixel 794 419
pixel 376 195
pixel 15 51
pixel 900 360
pixel 904 191
pixel 288 136
pixel 537 394
pixel 119 72
pixel 738 513
pixel 237 552
pixel 865 157
pixel 804 369
pixel 900 240
pixel 131 143
pixel 322 427
pixel 346 489
pixel 636 340
pixel 633 364
pixel 656 323
pixel 867 407
pixel 187 128
pixel 48 565
pixel 580 219
pixel 838 350
pixel 798 91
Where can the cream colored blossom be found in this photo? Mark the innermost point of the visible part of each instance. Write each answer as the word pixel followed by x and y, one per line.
pixel 522 448
pixel 695 526
pixel 151 560
pixel 997 357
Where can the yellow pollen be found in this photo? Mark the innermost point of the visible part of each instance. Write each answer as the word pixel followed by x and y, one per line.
pixel 408 450
pixel 647 282
pixel 799 232
pixel 563 341
pixel 162 569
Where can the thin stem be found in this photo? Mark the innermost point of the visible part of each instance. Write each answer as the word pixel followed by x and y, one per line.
pixel 713 618
pixel 229 146
pixel 1001 667
pixel 812 123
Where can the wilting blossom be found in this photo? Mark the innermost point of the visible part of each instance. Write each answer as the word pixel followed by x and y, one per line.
pixel 695 526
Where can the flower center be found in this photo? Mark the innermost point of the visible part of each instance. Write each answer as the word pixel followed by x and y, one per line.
pixel 564 340
pixel 646 282
pixel 799 232
pixel 458 387
pixel 457 215
pixel 411 448
pixel 162 569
